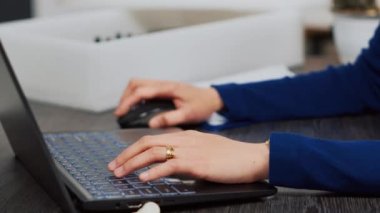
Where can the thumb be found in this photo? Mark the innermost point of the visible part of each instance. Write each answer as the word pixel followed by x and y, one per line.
pixel 170 118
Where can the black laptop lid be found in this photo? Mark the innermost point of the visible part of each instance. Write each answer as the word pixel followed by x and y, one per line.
pixel 24 135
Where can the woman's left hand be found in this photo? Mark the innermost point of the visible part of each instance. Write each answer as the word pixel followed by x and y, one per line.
pixel 200 155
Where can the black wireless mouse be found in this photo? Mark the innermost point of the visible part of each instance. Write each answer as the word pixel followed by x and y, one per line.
pixel 140 114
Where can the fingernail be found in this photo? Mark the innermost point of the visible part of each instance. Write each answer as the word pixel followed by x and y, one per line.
pixel 144 176
pixel 112 165
pixel 154 123
pixel 119 172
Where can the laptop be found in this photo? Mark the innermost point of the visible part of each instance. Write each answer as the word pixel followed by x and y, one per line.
pixel 72 166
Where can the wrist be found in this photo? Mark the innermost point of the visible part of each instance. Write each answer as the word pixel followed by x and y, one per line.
pixel 215 99
pixel 265 151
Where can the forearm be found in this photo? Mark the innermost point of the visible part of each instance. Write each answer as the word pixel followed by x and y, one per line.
pixel 340 166
pixel 319 94
pixel 334 91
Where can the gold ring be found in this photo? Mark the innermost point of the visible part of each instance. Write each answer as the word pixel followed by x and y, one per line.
pixel 169 152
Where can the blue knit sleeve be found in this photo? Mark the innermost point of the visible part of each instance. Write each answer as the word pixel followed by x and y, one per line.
pixel 301 162
pixel 351 88
pixel 340 166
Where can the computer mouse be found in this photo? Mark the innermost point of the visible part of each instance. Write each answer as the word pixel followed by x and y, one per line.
pixel 140 114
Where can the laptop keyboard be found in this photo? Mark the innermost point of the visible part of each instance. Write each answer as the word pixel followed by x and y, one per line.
pixel 86 156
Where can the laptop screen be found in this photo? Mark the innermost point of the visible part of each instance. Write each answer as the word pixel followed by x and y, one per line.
pixel 24 135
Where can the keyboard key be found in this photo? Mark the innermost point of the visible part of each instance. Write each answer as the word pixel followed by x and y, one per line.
pixel 88 185
pixel 96 179
pixel 119 182
pixel 94 191
pixel 141 185
pixel 133 180
pixel 113 196
pixel 183 189
pixel 173 181
pixel 113 193
pixel 130 176
pixel 99 197
pixel 107 187
pixel 165 190
pixel 111 178
pixel 101 183
pixel 93 174
pixel 132 193
pixel 124 187
pixel 157 182
pixel 149 192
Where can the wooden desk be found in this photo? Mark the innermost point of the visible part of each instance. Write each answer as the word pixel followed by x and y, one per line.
pixel 20 193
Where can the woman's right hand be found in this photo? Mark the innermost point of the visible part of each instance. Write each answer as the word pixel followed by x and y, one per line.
pixel 193 104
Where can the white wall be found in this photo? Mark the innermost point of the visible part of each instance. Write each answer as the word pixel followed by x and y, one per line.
pixel 46 7
pixel 316 13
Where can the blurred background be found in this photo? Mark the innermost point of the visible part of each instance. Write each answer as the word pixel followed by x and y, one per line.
pixel 302 35
pixel 317 15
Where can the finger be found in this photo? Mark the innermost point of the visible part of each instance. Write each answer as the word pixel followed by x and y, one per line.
pixel 141 145
pixel 148 157
pixel 135 83
pixel 171 167
pixel 170 118
pixel 132 85
pixel 127 103
pixel 146 92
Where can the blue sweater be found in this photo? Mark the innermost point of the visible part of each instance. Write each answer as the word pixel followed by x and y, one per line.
pixel 303 162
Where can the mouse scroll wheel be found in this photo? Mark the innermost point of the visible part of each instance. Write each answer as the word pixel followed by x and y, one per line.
pixel 144 114
pixel 155 110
